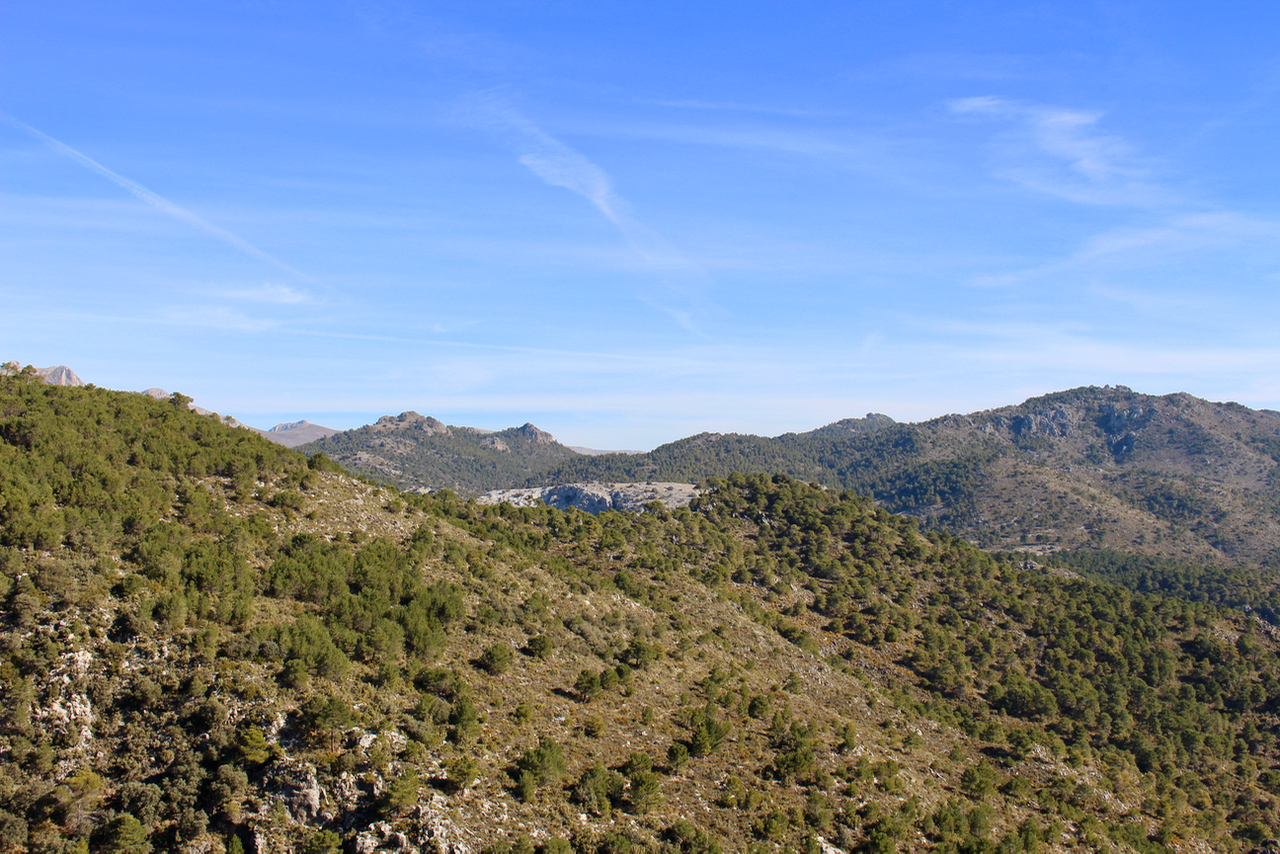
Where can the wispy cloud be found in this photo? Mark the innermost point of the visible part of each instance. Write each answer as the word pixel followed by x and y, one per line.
pixel 1061 151
pixel 215 317
pixel 729 106
pixel 1183 233
pixel 269 293
pixel 1174 237
pixel 559 165
pixel 157 201
pixel 1142 265
pixel 1050 348
pixel 547 157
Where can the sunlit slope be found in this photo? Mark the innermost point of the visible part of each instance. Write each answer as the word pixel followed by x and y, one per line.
pixel 210 643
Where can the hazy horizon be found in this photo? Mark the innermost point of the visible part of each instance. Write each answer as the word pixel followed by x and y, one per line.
pixel 349 421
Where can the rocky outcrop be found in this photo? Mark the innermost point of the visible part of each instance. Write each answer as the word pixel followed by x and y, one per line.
pixel 596 497
pixel 1123 426
pixel 1056 423
pixel 437 833
pixel 296 786
pixel 59 375
pixel 872 422
pixel 411 420
pixel 533 434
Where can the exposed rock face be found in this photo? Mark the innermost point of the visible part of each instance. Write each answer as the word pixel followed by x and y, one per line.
pixel 596 497
pixel 59 375
pixel 1056 423
pixel 540 437
pixel 413 421
pixel 298 788
pixel 437 833
pixel 288 426
pixel 1123 426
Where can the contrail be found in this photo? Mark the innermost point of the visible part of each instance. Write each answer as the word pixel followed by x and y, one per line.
pixel 561 166
pixel 158 202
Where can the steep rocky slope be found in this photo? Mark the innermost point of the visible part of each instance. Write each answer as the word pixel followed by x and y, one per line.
pixel 1174 475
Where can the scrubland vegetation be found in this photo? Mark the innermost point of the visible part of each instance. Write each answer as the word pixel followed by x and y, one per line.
pixel 212 643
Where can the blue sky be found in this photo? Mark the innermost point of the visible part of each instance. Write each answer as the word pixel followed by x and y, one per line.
pixel 628 223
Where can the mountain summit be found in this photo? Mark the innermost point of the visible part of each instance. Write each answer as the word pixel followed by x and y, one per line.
pixel 60 375
pixel 420 453
pixel 294 433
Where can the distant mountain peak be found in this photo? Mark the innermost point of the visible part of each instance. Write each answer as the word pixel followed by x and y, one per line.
pixel 596 452
pixel 294 433
pixel 60 375
pixel 541 437
pixel 411 420
pixel 421 453
pixel 870 423
pixel 290 425
pixel 55 375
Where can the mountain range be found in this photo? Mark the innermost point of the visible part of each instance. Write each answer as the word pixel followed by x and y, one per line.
pixel 422 454
pixel 1094 467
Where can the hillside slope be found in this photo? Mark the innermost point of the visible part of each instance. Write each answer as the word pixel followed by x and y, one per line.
pixel 1094 468
pixel 1090 467
pixel 211 644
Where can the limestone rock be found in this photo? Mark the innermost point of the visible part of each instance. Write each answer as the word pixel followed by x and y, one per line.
pixel 596 497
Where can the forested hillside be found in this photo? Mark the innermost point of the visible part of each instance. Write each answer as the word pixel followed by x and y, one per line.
pixel 212 644
pixel 1090 468
pixel 419 453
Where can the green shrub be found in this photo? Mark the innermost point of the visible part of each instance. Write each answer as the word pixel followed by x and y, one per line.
pixel 594 726
pixel 597 790
pixel 541 646
pixel 544 763
pixel 496 660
